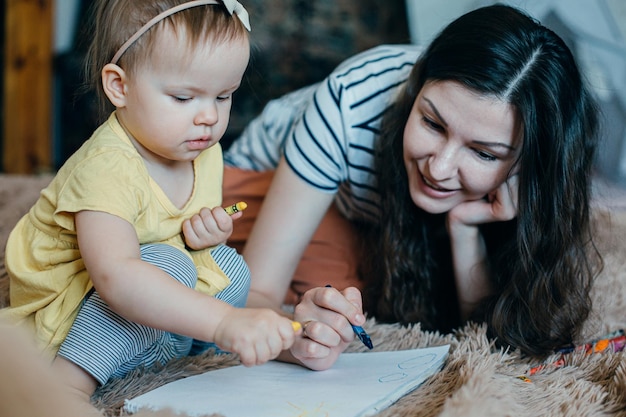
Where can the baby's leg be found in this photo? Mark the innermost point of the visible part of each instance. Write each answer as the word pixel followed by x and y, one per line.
pixel 101 344
pixel 77 385
pixel 28 387
pixel 236 269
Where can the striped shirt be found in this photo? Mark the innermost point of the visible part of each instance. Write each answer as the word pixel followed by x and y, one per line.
pixel 328 132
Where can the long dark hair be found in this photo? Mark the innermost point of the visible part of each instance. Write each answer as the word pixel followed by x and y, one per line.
pixel 542 263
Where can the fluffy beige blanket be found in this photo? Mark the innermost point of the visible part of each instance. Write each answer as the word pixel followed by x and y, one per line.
pixel 477 379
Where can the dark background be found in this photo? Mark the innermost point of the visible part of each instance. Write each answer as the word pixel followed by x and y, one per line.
pixel 294 43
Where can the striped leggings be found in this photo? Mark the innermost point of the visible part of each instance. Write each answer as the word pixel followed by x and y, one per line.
pixel 106 345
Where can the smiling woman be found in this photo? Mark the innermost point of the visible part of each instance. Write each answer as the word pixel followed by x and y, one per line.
pixel 460 147
pixel 465 167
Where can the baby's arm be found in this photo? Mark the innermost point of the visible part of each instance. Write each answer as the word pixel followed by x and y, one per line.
pixel 209 227
pixel 145 294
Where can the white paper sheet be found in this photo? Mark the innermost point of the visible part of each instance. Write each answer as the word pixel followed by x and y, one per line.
pixel 359 384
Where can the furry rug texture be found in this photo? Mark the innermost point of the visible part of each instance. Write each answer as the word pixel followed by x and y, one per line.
pixel 477 379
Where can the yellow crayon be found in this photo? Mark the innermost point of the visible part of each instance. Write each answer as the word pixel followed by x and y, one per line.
pixel 240 206
pixel 296 326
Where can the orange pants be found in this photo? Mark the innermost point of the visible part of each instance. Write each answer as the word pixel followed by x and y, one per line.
pixel 331 256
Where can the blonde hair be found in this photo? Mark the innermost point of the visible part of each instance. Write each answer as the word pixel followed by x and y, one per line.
pixel 115 21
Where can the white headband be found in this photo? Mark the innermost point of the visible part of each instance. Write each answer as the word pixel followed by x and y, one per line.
pixel 233 7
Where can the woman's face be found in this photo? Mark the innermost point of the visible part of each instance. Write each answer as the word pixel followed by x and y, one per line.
pixel 458 146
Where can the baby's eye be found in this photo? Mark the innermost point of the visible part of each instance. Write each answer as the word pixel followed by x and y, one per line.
pixel 224 98
pixel 181 99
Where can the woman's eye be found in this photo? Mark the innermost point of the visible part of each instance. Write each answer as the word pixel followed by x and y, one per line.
pixel 485 155
pixel 432 124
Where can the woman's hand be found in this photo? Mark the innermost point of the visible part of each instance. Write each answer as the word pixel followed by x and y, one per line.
pixel 208 228
pixel 326 314
pixel 499 205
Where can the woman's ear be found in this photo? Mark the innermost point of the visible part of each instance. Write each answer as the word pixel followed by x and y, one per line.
pixel 114 84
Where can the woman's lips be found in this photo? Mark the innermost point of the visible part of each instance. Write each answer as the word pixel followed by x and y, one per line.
pixel 434 186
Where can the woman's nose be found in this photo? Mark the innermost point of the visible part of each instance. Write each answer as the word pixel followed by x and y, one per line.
pixel 442 163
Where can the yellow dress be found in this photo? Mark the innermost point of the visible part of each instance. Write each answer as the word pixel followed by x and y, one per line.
pixel 48 280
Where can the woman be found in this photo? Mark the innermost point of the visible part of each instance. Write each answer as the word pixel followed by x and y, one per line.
pixel 466 171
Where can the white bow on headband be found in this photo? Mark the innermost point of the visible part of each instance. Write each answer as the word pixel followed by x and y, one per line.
pixel 233 7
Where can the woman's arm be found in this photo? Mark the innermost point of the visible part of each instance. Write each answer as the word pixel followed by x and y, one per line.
pixel 291 212
pixel 289 216
pixel 145 294
pixel 468 258
pixel 469 253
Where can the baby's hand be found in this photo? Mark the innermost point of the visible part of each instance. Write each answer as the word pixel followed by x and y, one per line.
pixel 208 228
pixel 256 335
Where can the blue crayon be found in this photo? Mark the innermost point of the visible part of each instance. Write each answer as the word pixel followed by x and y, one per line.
pixel 363 336
pixel 361 333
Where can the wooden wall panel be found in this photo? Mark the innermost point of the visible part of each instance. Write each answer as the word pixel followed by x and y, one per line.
pixel 27 102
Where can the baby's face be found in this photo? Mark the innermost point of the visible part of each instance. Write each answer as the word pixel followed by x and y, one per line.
pixel 178 104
